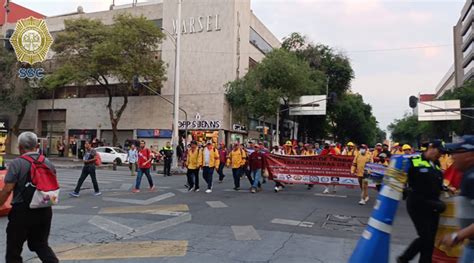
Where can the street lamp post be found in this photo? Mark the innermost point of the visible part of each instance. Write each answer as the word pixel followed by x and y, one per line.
pixel 176 86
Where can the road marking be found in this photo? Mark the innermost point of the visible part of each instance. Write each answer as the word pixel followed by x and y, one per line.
pixel 112 227
pixel 245 233
pixel 124 250
pixel 155 209
pixel 62 207
pixel 150 228
pixel 331 195
pixel 217 204
pixel 126 232
pixel 292 222
pixel 183 190
pixel 140 202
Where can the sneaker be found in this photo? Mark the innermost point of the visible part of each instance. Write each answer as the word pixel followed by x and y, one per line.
pixel 264 181
pixel 276 189
pixel 97 193
pixel 153 188
pixel 253 191
pixel 326 191
pixel 220 181
pixel 196 190
pixel 190 188
pixel 135 190
pixel 236 189
pixel 366 199
pixel 74 194
pixel 362 202
pixel 208 191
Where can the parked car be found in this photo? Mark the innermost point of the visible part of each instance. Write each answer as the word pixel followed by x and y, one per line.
pixel 112 154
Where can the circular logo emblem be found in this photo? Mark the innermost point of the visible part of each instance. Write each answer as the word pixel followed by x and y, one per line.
pixel 314 179
pixel 31 40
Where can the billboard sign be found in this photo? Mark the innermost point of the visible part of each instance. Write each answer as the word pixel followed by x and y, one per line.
pixel 439 110
pixel 309 105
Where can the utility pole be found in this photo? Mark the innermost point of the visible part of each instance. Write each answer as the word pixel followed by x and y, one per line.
pixel 176 87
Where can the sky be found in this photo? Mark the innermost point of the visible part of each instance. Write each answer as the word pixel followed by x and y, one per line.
pixel 397 48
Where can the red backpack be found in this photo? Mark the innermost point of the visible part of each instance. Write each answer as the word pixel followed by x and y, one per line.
pixel 44 180
pixel 98 159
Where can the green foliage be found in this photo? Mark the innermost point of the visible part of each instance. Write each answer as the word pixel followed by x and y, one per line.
pixel 466 95
pixel 15 93
pixel 409 130
pixel 280 75
pixel 89 51
pixel 301 68
pixel 352 120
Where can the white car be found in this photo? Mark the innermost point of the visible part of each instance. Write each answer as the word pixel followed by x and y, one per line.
pixel 112 154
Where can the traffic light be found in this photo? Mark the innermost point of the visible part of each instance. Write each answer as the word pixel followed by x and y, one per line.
pixel 413 101
pixel 332 98
pixel 136 85
pixel 8 35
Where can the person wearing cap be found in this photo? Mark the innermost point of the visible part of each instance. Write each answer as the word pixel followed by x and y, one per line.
pixel 396 149
pixel 288 150
pixel 424 186
pixel 309 151
pixel 386 150
pixel 383 160
pixel 192 164
pixel 350 150
pixel 222 161
pixel 377 151
pixel 208 161
pixel 406 148
pixel 463 160
pixel 235 160
pixel 167 153
pixel 358 169
pixel 256 164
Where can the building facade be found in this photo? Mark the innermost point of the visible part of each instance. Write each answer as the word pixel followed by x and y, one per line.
pixel 463 68
pixel 220 41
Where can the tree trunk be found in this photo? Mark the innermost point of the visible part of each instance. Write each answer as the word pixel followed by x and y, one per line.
pixel 115 116
pixel 15 130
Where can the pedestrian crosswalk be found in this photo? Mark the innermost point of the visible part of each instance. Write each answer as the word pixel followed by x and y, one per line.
pixel 68 178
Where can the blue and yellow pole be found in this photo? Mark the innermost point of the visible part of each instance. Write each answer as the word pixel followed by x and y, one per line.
pixel 374 244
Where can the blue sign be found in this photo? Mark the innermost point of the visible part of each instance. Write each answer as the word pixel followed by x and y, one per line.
pixel 154 133
pixel 31 73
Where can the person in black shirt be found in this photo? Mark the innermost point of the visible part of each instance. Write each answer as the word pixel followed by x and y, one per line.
pixel 425 183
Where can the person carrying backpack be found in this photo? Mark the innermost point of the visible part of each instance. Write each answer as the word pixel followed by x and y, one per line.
pixel 26 223
pixel 90 160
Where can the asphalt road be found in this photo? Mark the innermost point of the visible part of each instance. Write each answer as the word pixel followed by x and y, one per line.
pixel 172 225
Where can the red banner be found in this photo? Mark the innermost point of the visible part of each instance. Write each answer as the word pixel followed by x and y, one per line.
pixel 311 169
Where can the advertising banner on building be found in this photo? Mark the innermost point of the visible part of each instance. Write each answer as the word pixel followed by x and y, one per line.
pixel 311 169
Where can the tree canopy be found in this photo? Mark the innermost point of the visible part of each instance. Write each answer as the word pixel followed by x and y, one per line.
pixel 410 130
pixel 88 51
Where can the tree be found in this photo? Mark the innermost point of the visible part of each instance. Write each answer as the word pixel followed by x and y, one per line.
pixel 351 120
pixel 15 93
pixel 409 130
pixel 465 94
pixel 280 76
pixel 87 51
